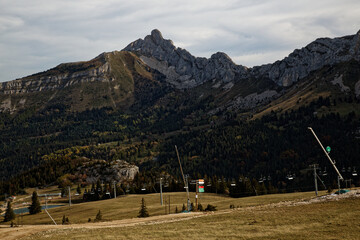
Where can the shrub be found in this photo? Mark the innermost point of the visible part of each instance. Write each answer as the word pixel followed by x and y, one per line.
pixel 210 208
pixel 200 207
pixel 98 216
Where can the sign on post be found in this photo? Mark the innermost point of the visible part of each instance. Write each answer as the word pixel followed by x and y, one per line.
pixel 201 188
pixel 328 149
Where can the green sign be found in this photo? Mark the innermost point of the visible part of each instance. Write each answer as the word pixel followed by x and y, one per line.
pixel 201 189
pixel 328 149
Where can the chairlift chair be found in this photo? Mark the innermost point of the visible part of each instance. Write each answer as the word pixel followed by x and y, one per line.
pixel 261 179
pixel 290 176
pixel 324 173
pixel 354 173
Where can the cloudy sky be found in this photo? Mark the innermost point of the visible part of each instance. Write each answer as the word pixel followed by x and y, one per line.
pixel 39 34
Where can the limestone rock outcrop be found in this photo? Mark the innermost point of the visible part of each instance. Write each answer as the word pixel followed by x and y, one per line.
pixel 321 52
pixel 182 69
pixel 118 170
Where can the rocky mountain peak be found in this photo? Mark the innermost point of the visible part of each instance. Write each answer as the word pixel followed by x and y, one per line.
pixel 156 36
pixel 182 69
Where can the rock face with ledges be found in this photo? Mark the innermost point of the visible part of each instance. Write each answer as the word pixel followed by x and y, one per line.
pixel 182 69
pixel 186 71
pixel 321 52
pixel 64 75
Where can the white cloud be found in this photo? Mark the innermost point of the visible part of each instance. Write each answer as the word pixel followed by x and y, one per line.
pixel 39 34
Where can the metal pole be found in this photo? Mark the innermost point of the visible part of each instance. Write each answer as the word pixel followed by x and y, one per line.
pixel 114 190
pixel 50 216
pixel 182 173
pixel 339 183
pixel 321 181
pixel 69 197
pixel 326 153
pixel 315 180
pixel 196 196
pixel 45 200
pixel 187 191
pixel 161 195
pixel 185 180
pixel 169 205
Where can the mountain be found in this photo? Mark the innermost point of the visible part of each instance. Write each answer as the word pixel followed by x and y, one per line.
pixel 186 71
pixel 227 119
pixel 182 69
pixel 111 79
pixel 115 79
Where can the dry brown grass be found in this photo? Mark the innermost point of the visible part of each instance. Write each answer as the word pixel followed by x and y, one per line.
pixel 324 220
pixel 128 206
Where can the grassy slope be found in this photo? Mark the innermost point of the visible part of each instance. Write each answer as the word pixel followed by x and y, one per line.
pixel 326 220
pixel 128 206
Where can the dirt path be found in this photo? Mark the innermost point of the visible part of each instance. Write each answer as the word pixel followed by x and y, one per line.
pixel 8 233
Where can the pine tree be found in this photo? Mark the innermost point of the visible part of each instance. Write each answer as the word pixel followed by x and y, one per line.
pixel 200 207
pixel 9 214
pixel 183 207
pixel 35 205
pixel 143 210
pixel 78 189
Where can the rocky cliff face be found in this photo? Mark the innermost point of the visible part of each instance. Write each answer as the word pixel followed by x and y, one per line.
pixel 113 79
pixel 321 52
pixel 186 71
pixel 182 69
pixel 61 76
pixel 119 171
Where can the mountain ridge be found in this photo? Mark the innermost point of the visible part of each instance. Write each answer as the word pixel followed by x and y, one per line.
pixel 192 71
pixel 162 63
